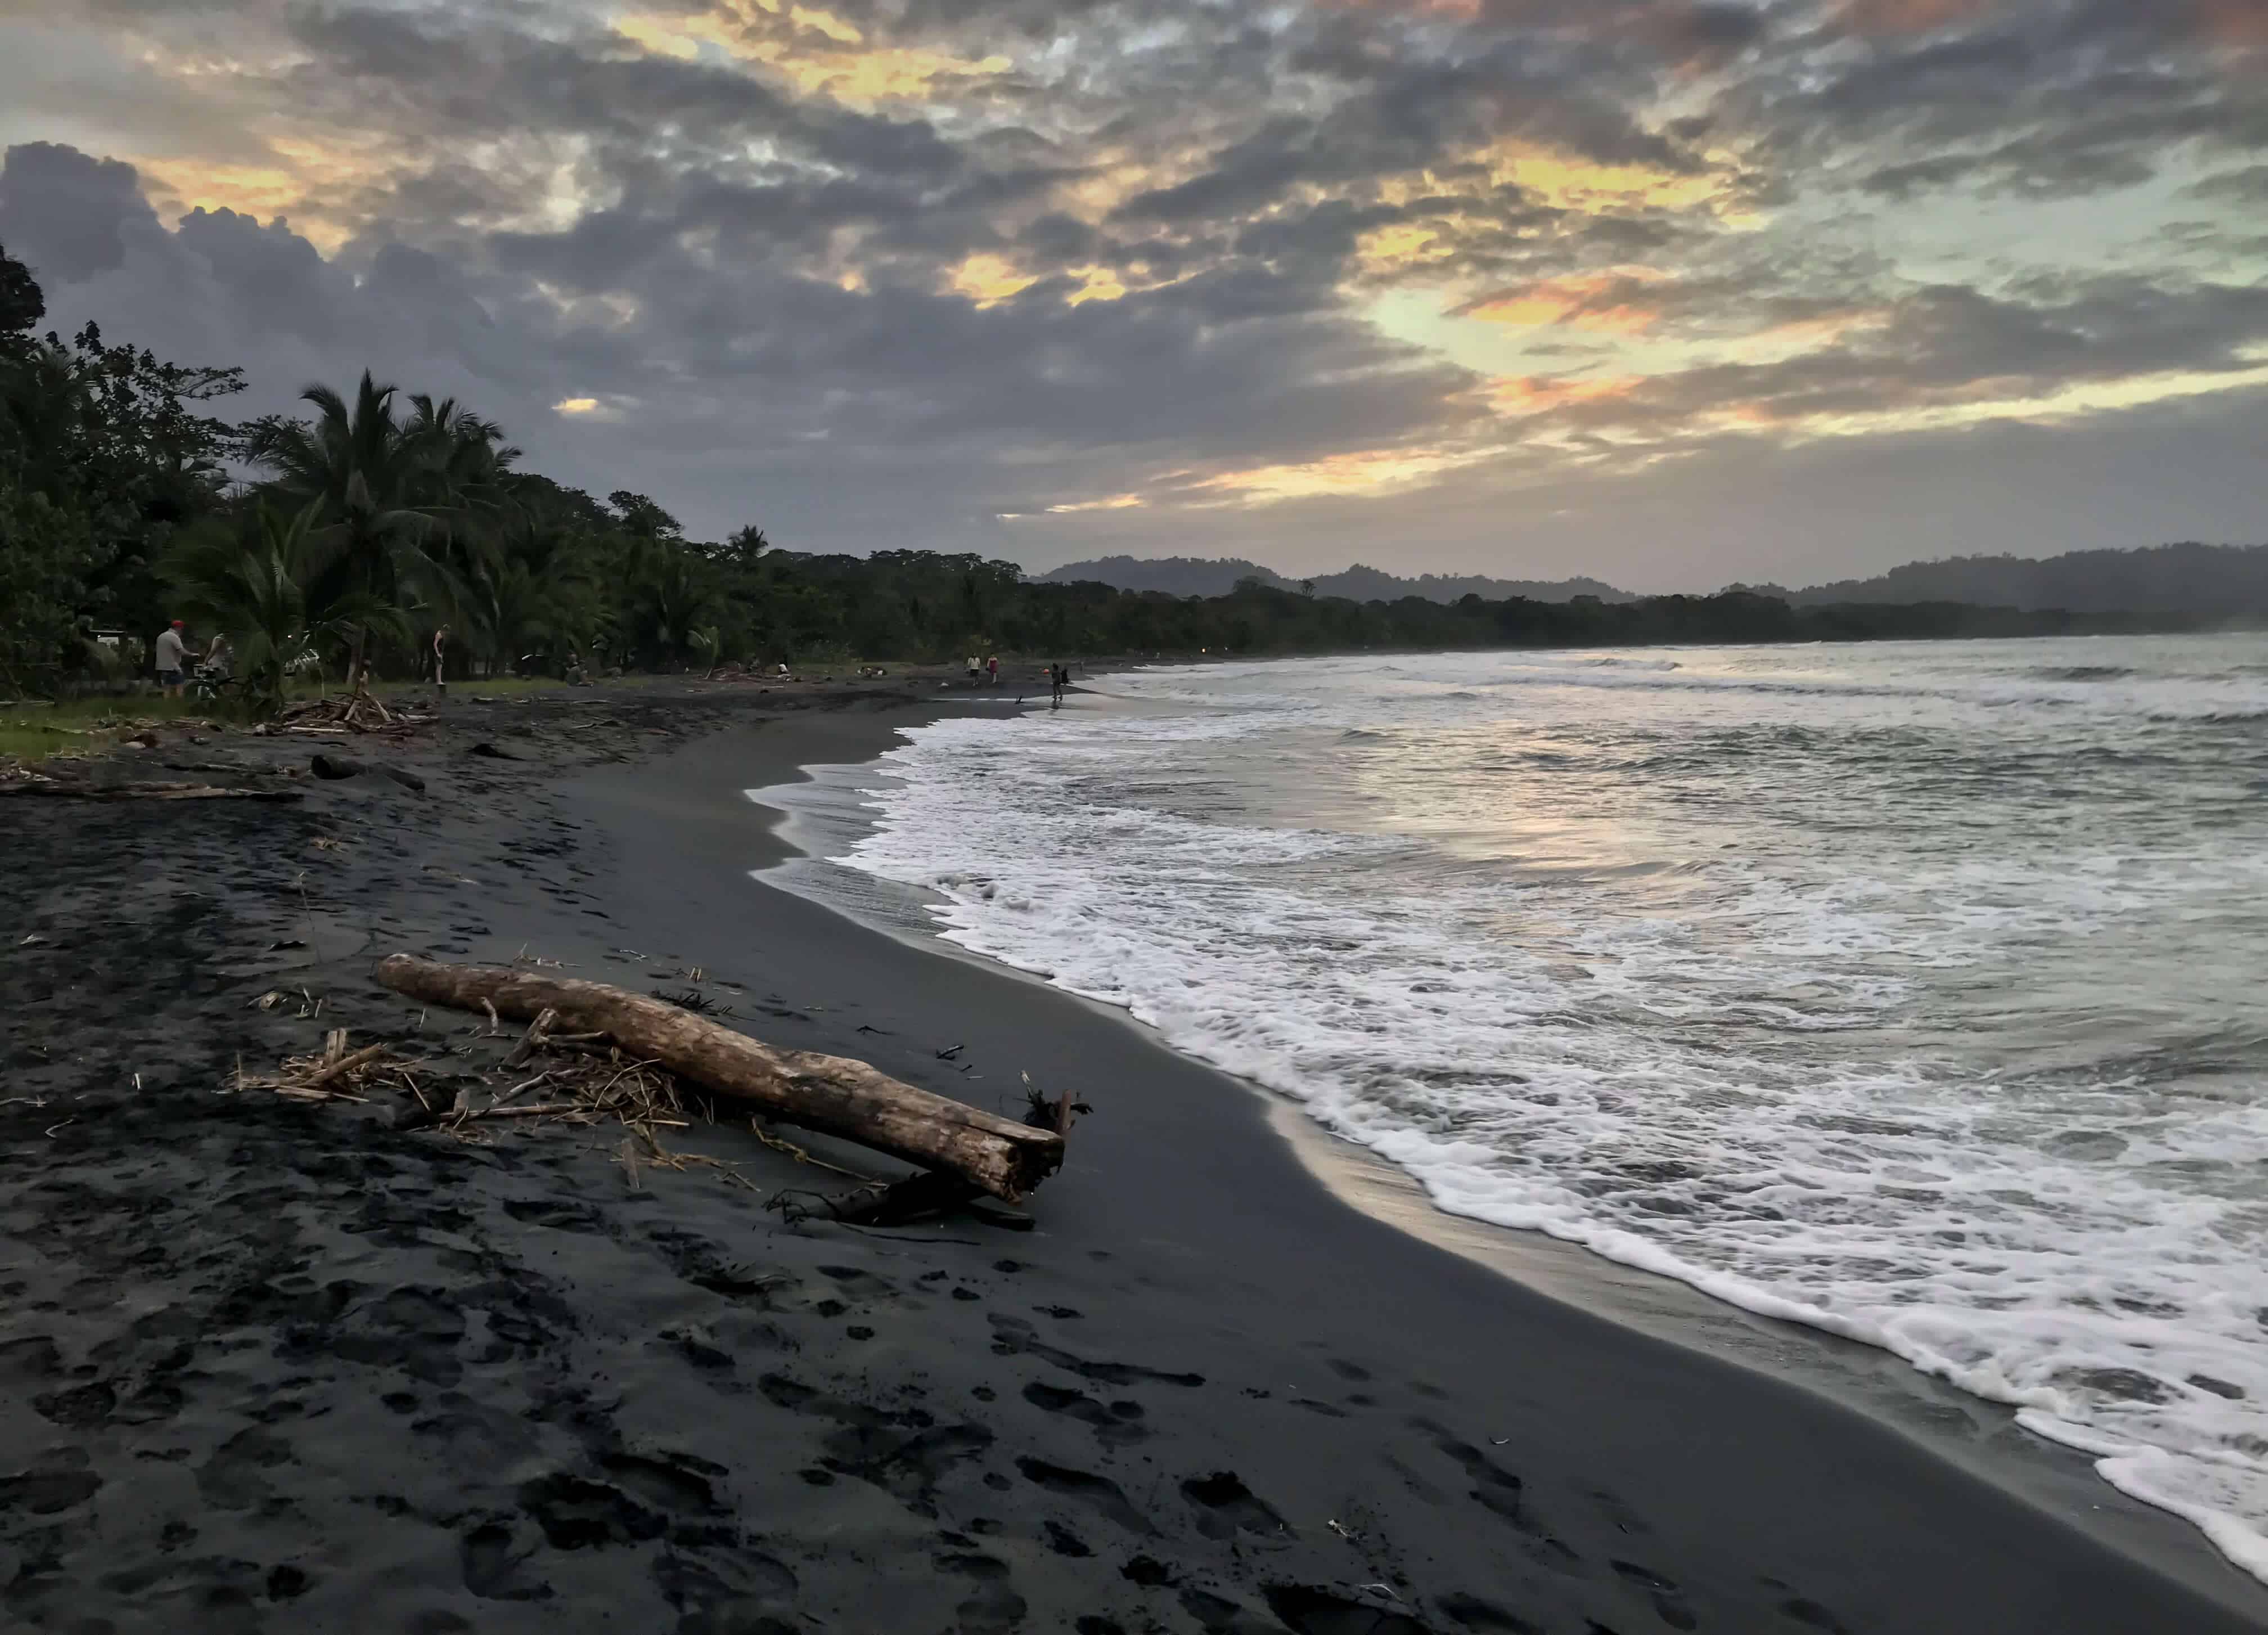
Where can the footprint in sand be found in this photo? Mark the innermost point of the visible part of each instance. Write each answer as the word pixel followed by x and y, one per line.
pixel 1117 1425
pixel 1668 1601
pixel 993 1608
pixel 493 1567
pixel 1226 1507
pixel 1097 1493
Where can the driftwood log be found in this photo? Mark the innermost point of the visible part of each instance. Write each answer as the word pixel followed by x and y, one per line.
pixel 832 1094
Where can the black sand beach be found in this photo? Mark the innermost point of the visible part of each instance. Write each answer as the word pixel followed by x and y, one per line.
pixel 272 1366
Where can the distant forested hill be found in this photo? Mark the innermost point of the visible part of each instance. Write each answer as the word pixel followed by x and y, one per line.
pixel 2209 580
pixel 1207 576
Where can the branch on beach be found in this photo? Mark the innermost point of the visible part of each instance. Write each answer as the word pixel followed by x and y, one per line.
pixel 831 1094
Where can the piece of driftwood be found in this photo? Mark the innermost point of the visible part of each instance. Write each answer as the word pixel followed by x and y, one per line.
pixel 533 1039
pixel 146 792
pixel 339 766
pixel 339 1066
pixel 832 1094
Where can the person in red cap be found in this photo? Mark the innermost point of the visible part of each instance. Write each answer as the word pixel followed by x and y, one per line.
pixel 172 659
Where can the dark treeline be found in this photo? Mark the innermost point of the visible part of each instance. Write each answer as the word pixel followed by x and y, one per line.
pixel 1217 576
pixel 2218 581
pixel 344 538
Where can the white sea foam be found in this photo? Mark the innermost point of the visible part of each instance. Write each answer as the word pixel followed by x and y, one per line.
pixel 1904 992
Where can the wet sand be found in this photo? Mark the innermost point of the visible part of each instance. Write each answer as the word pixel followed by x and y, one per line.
pixel 271 1366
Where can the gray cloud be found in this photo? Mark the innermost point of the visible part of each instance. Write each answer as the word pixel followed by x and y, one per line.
pixel 767 291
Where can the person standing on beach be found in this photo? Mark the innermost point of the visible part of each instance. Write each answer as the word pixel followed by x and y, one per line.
pixel 992 669
pixel 440 659
pixel 171 653
pixel 1058 675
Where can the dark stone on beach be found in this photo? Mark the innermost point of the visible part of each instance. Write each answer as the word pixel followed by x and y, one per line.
pixel 340 767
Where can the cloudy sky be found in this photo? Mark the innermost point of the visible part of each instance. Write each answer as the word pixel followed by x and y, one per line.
pixel 1670 293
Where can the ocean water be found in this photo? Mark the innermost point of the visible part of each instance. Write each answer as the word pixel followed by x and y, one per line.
pixel 1908 990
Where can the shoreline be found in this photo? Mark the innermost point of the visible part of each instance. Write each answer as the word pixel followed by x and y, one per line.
pixel 282 1367
pixel 1976 1435
pixel 1980 1434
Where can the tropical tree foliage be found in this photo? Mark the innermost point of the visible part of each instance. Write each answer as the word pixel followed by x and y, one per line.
pixel 264 583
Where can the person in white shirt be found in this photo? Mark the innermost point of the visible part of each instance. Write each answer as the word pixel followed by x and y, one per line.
pixel 172 655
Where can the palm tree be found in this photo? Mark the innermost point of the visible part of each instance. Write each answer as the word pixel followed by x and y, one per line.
pixel 316 461
pixel 744 548
pixel 360 470
pixel 510 609
pixel 463 467
pixel 254 587
pixel 372 553
pixel 669 597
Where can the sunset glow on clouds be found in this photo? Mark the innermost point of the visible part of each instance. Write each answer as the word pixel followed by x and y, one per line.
pixel 1021 277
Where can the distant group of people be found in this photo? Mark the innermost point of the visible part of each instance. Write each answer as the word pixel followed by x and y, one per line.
pixel 985 670
pixel 178 664
pixel 173 655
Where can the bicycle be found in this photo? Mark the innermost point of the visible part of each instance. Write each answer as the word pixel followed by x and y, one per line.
pixel 207 688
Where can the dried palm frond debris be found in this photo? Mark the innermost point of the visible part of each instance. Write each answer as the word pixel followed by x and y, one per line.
pixel 576 1082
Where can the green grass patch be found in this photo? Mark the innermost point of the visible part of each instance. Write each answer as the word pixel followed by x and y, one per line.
pixel 20 740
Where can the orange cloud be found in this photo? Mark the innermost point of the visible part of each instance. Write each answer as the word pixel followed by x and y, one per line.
pixel 1591 301
pixel 1116 502
pixel 1362 474
pixel 986 278
pixel 817 49
pixel 1520 395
